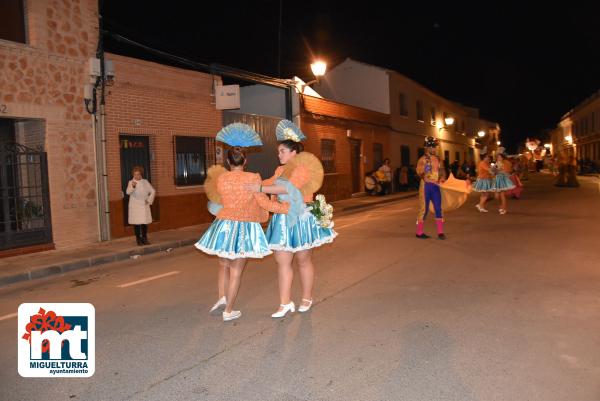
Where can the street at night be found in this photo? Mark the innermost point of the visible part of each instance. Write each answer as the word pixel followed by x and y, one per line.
pixel 299 201
pixel 506 308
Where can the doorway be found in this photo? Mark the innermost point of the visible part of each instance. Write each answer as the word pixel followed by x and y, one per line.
pixel 404 155
pixel 25 197
pixel 355 162
pixel 135 151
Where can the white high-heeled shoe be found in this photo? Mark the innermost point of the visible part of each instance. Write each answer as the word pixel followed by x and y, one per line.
pixel 481 209
pixel 234 314
pixel 305 308
pixel 285 308
pixel 221 303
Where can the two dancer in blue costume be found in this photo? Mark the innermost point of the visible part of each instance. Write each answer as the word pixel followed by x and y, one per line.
pixel 236 233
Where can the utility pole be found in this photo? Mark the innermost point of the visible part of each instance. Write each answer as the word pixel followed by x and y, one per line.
pixel 279 51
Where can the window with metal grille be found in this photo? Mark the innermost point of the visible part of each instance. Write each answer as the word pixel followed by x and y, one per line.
pixel 403 106
pixel 12 21
pixel 328 155
pixel 420 111
pixel 192 154
pixel 377 155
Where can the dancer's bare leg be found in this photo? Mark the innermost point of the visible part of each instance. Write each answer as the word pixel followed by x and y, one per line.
pixel 236 268
pixel 307 274
pixel 285 275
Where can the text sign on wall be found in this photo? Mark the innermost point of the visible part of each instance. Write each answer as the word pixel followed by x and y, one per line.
pixel 227 97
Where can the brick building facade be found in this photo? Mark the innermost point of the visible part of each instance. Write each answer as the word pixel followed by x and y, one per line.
pixel 355 139
pixel 151 107
pixel 43 70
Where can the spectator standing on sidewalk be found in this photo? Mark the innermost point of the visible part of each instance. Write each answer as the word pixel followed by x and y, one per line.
pixel 386 172
pixel 404 178
pixel 454 167
pixel 141 196
pixel 465 171
pixel 472 171
pixel 413 179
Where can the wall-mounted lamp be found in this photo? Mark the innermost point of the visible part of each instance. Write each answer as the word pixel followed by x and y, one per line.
pixel 318 69
pixel 448 121
pixel 498 143
pixel 547 145
pixel 481 134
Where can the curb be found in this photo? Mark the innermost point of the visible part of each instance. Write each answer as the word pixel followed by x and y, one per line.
pixel 69 266
pixel 72 265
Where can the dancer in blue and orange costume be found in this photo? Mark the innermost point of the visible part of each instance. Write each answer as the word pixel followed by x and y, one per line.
pixel 514 193
pixel 485 181
pixel 236 234
pixel 502 182
pixel 296 180
pixel 428 168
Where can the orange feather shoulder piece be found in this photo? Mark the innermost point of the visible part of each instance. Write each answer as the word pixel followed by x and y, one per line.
pixel 315 171
pixel 210 184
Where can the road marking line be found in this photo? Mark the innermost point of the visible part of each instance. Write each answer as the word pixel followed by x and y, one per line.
pixel 148 279
pixel 6 317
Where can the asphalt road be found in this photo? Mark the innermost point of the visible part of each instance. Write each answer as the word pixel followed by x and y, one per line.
pixel 506 309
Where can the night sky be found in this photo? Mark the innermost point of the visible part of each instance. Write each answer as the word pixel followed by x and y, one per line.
pixel 521 65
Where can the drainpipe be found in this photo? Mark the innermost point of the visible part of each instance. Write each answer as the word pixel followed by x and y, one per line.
pixel 100 136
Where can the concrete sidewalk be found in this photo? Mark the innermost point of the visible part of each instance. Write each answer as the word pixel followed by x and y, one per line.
pixel 44 264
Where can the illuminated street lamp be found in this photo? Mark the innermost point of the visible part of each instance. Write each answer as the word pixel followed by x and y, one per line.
pixel 481 134
pixel 448 121
pixel 318 69
pixel 498 143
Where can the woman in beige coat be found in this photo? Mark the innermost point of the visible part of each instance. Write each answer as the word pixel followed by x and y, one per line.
pixel 141 196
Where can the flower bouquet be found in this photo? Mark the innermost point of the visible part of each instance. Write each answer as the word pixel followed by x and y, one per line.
pixel 322 211
pixel 493 169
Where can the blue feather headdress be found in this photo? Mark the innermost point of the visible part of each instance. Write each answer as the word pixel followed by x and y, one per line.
pixel 239 134
pixel 288 130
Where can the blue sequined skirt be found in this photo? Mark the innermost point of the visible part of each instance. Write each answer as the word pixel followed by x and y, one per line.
pixel 503 183
pixel 233 239
pixel 484 185
pixel 305 234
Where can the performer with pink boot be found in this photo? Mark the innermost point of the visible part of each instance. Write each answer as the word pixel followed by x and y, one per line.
pixel 428 168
